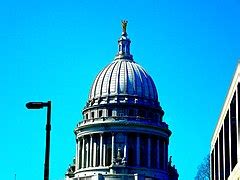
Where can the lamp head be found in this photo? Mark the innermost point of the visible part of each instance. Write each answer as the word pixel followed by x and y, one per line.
pixel 36 105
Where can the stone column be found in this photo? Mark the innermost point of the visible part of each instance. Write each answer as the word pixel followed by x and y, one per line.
pixel 104 154
pixel 79 153
pixel 91 150
pixel 87 154
pixel 166 153
pixel 76 156
pixel 101 149
pixel 83 152
pixel 94 152
pixel 125 148
pixel 113 145
pixel 164 156
pixel 149 152
pixel 158 152
pixel 138 150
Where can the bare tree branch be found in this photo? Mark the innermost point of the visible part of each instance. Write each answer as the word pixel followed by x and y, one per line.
pixel 203 172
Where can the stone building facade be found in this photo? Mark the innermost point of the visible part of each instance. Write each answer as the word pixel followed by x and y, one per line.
pixel 225 144
pixel 122 134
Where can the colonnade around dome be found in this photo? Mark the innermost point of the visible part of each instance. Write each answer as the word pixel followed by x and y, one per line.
pixel 100 152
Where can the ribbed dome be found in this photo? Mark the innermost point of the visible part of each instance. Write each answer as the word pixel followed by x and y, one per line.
pixel 123 80
pixel 123 77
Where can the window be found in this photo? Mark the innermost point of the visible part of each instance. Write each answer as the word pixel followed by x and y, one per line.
pixel 150 115
pixel 86 116
pixel 226 145
pixel 141 113
pixel 109 156
pixel 216 159
pixel 131 112
pixel 92 114
pixel 143 150
pixel 109 112
pixel 221 153
pixel 132 156
pixel 121 114
pixel 212 164
pixel 233 123
pixel 100 113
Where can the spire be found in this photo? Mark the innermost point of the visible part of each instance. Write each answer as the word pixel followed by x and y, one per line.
pixel 124 44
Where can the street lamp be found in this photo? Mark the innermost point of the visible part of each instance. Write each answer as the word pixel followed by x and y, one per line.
pixel 40 105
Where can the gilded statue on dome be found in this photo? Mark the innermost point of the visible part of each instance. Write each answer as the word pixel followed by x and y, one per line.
pixel 124 26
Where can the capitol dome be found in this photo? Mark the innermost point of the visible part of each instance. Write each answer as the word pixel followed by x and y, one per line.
pixel 122 134
pixel 123 80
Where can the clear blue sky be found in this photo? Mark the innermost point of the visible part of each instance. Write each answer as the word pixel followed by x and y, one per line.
pixel 53 51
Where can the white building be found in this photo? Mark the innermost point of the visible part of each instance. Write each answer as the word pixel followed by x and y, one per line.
pixel 122 134
pixel 225 149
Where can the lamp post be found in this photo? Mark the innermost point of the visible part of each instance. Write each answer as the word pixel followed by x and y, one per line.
pixel 40 105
